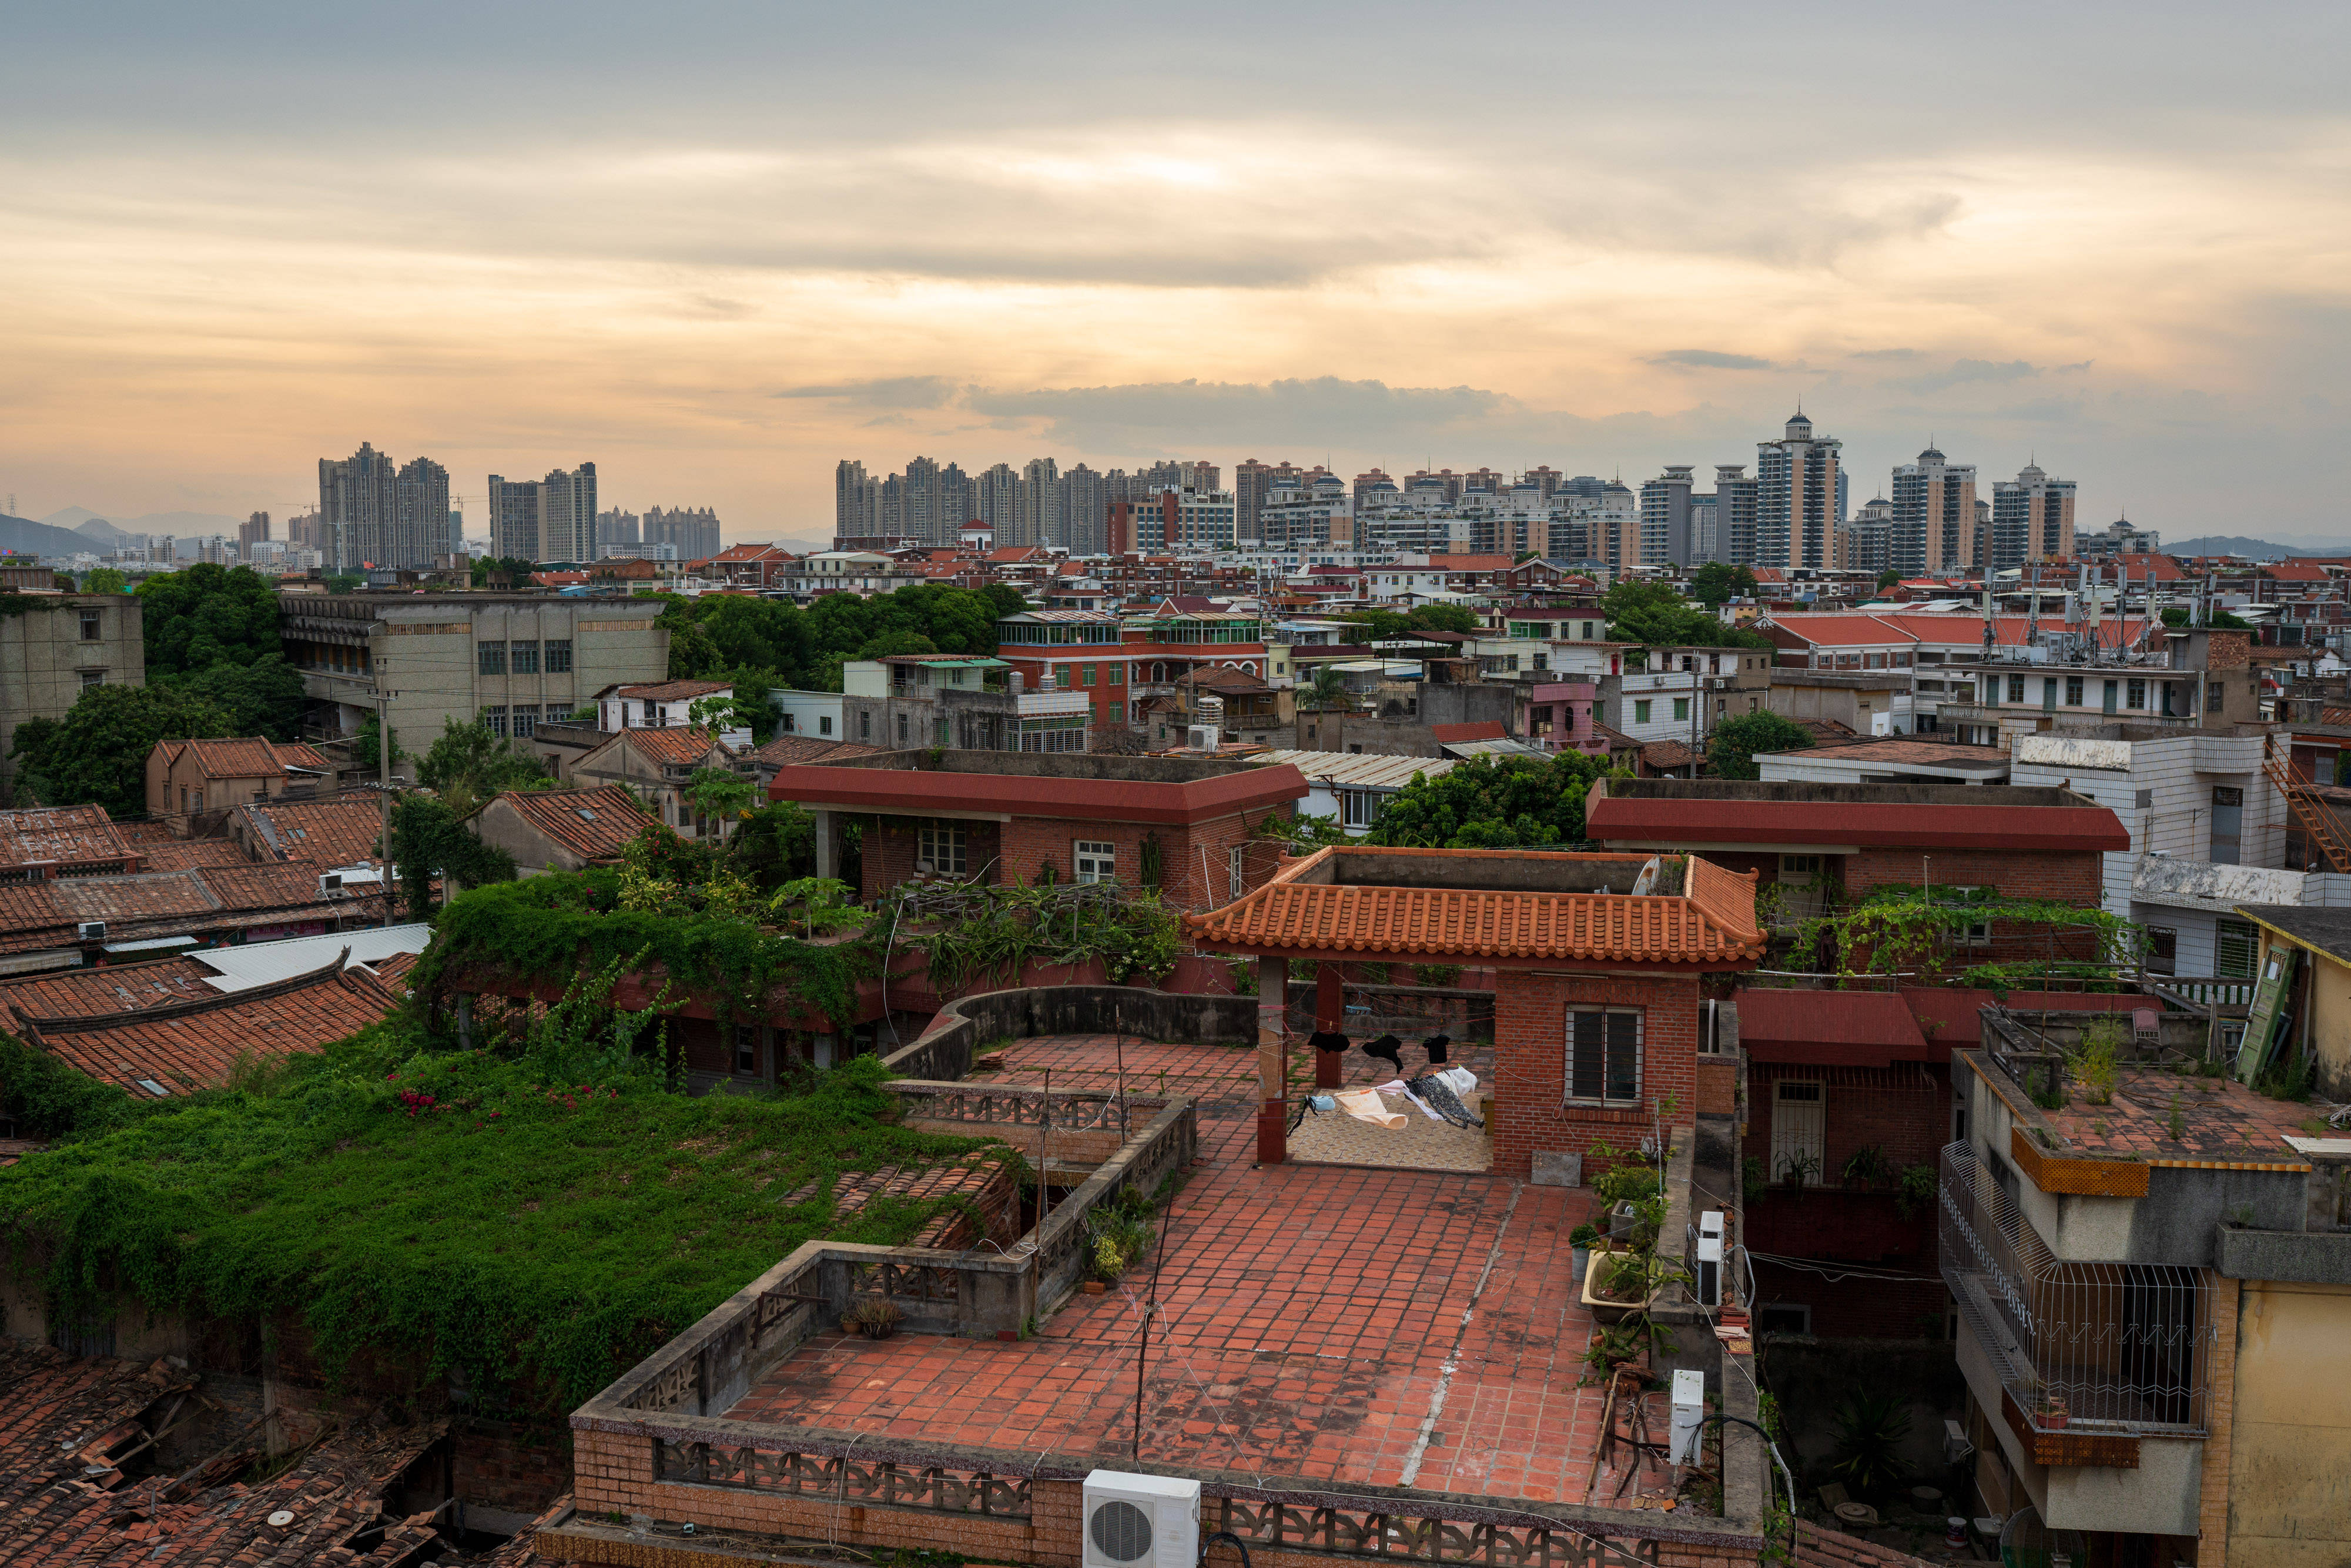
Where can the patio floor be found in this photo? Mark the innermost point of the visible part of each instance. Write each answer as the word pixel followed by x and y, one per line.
pixel 1389 1327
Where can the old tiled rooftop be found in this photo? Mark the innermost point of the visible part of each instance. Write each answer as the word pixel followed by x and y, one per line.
pixel 1388 1327
pixel 338 831
pixel 673 747
pixel 2221 1120
pixel 595 824
pixel 674 690
pixel 1326 903
pixel 181 1046
pixel 61 1502
pixel 798 750
pixel 65 834
pixel 116 987
pixel 180 854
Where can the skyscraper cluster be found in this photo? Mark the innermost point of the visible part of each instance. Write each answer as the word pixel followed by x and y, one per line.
pixel 373 514
pixel 546 520
pixel 1039 503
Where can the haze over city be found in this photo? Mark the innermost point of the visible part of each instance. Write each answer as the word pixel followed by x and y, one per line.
pixel 716 248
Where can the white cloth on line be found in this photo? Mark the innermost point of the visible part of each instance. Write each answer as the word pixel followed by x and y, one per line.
pixel 1364 1104
pixel 1397 1087
pixel 1460 1080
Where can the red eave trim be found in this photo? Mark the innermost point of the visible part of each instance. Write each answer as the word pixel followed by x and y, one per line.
pixel 1701 823
pixel 900 791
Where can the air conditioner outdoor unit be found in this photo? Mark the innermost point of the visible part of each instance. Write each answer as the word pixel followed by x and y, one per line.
pixel 330 884
pixel 1708 1279
pixel 1201 737
pixel 90 931
pixel 1140 1521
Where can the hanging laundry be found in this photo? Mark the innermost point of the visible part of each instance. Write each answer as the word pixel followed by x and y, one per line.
pixel 1327 1040
pixel 1388 1049
pixel 1397 1087
pixel 1439 1096
pixel 1364 1105
pixel 1460 1080
pixel 1436 1045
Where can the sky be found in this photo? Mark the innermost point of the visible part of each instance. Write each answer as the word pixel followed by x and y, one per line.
pixel 716 248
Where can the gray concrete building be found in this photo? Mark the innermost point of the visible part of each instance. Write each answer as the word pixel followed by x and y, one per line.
pixel 50 656
pixel 512 660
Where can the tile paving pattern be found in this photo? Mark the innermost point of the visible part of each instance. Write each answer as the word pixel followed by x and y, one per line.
pixel 1314 1321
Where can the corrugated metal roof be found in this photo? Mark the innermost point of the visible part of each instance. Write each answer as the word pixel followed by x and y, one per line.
pixel 261 963
pixel 1352 771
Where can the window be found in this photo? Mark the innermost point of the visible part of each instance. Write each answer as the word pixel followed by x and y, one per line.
pixel 493 658
pixel 1064 676
pixel 2162 950
pixel 1805 867
pixel 89 625
pixel 2072 691
pixel 1681 708
pixel 92 678
pixel 495 718
pixel 1783 1317
pixel 2108 701
pixel 522 658
pixel 1799 1131
pixel 1236 872
pixel 1641 711
pixel 1117 677
pixel 2235 943
pixel 2016 688
pixel 1980 933
pixel 940 848
pixel 2228 824
pixel 865 725
pixel 2215 696
pixel 746 1048
pixel 1359 808
pixel 1094 861
pixel 1086 674
pixel 1604 1055
pixel 524 720
pixel 824 723
pixel 2134 695
pixel 902 729
pixel 558 656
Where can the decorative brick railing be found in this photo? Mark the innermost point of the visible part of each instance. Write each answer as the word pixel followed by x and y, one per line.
pixel 816 1475
pixel 1407 1533
pixel 1014 1105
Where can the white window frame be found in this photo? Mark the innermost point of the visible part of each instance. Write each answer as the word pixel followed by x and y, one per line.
pixel 1236 870
pixel 944 847
pixel 1567 1057
pixel 1980 933
pixel 1093 860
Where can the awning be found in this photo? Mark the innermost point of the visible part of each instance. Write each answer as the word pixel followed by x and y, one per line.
pixel 150 944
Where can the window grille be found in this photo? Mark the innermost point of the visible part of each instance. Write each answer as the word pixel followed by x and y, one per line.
pixel 1604 1055
pixel 2127 1347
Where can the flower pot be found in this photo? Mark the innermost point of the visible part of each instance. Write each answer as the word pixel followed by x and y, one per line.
pixel 1605 1309
pixel 1093 1286
pixel 877 1330
pixel 1579 1260
pixel 2054 1420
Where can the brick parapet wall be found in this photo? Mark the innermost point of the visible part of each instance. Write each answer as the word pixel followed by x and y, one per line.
pixel 2221 1422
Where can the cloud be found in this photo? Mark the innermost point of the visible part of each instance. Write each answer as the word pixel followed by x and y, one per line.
pixel 1316 410
pixel 1964 371
pixel 889 391
pixel 1710 359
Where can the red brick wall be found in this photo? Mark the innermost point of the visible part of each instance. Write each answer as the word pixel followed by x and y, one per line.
pixel 1860 1105
pixel 1193 866
pixel 1718 1085
pixel 886 857
pixel 1530 1063
pixel 2074 877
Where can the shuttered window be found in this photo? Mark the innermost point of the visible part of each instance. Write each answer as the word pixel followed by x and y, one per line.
pixel 2234 943
pixel 1604 1055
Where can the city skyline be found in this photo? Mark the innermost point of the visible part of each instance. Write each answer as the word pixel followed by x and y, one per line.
pixel 2121 276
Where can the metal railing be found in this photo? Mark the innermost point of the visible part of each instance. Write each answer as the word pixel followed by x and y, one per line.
pixel 2089 1347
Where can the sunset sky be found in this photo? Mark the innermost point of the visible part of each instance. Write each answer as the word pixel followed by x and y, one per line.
pixel 716 247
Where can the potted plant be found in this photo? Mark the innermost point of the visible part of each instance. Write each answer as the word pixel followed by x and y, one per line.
pixel 1798 1167
pixel 1579 1242
pixel 2053 1413
pixel 1867 1165
pixel 875 1317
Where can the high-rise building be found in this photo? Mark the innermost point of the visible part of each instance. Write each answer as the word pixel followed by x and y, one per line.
pixel 994 493
pixel 419 515
pixel 306 530
pixel 567 515
pixel 1545 479
pixel 856 501
pixel 1036 504
pixel 514 520
pixel 2031 519
pixel 615 527
pixel 1251 481
pixel 1705 536
pixel 1734 514
pixel 1299 514
pixel 1666 517
pixel 456 531
pixel 1933 515
pixel 1084 507
pixel 694 534
pixel 254 529
pixel 356 505
pixel 1795 498
pixel 1870 539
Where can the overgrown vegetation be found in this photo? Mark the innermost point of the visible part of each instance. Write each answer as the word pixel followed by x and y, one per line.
pixel 1730 751
pixel 1925 932
pixel 976 935
pixel 98 751
pixel 1490 803
pixel 534 1219
pixel 427 842
pixel 468 765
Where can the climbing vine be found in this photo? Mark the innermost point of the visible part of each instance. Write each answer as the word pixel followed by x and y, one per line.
pixel 1923 929
pixel 988 935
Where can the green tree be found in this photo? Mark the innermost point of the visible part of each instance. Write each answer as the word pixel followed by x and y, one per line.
pixel 203 614
pixel 1731 753
pixel 263 697
pixel 365 744
pixel 1718 581
pixel 428 841
pixel 346 583
pixel 98 751
pixel 2216 618
pixel 104 579
pixel 1889 578
pixel 1654 614
pixel 721 792
pixel 1325 689
pixel 1493 803
pixel 513 568
pixel 467 765
pixel 1386 625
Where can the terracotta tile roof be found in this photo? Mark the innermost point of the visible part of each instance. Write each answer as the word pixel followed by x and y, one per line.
pixel 163 904
pixel 673 747
pixel 150 895
pixel 183 853
pixel 673 691
pixel 145 832
pixel 908 792
pixel 65 834
pixel 1669 754
pixel 61 1502
pixel 115 987
pixel 1742 818
pixel 391 973
pixel 290 885
pixel 341 830
pixel 594 824
pixel 1484 729
pixel 1818 1548
pixel 185 1046
pixel 249 759
pixel 1847 1029
pixel 1713 926
pixel 794 750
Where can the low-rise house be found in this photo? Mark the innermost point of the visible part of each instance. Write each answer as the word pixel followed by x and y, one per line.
pixel 192 784
pixel 343 830
pixel 1187 828
pixel 39 842
pixel 1902 760
pixel 1352 787
pixel 53 654
pixel 93 919
pixel 2153 1289
pixel 666 705
pixel 798 750
pixel 660 766
pixel 561 830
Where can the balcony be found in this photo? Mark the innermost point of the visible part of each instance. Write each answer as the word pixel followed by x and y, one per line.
pixel 2090 1357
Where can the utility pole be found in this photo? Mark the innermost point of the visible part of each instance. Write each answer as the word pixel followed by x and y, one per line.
pixel 383 776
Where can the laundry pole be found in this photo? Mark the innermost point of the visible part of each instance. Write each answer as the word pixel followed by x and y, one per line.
pixel 1272 1061
pixel 1329 1017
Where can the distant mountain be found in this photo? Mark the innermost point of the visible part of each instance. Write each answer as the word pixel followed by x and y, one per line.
pixel 22 535
pixel 177 523
pixel 101 531
pixel 2253 549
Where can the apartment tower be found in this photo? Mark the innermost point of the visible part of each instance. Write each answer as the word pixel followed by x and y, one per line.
pixel 2031 519
pixel 1666 517
pixel 1933 515
pixel 1796 499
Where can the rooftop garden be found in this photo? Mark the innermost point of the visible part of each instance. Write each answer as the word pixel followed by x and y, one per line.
pixel 533 1217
